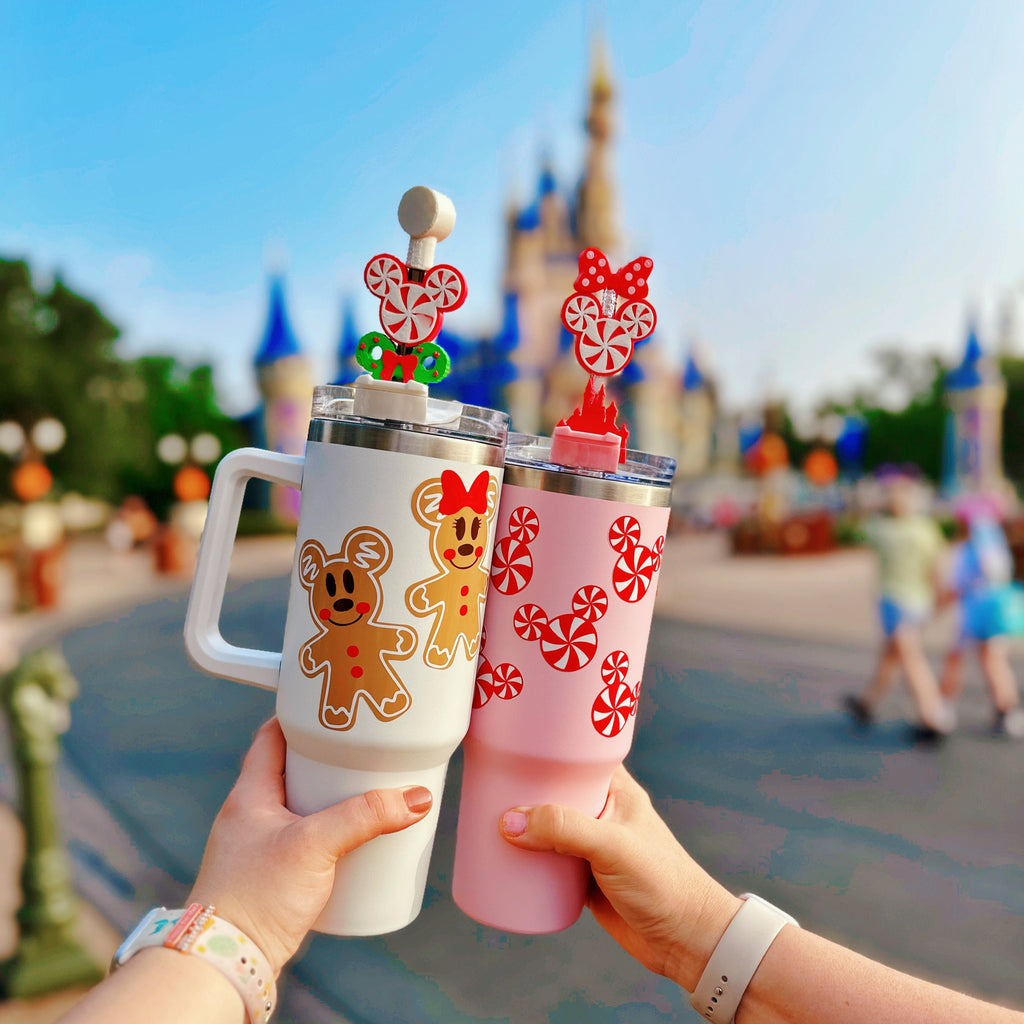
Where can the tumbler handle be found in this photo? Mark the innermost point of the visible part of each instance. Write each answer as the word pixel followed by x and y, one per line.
pixel 204 644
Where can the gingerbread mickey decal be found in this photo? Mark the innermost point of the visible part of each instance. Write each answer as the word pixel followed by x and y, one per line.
pixel 567 642
pixel 458 520
pixel 636 565
pixel 352 649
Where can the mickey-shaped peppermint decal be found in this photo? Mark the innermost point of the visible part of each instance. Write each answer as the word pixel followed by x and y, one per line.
pixel 605 334
pixel 414 295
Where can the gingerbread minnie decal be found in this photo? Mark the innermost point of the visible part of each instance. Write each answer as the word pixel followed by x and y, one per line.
pixel 352 649
pixel 458 520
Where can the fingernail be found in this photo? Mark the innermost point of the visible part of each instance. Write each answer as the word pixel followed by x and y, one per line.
pixel 418 799
pixel 513 823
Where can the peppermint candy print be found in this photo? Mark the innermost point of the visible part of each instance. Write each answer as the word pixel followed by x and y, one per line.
pixel 636 565
pixel 657 549
pixel 568 642
pixel 523 524
pixel 508 681
pixel 484 688
pixel 590 603
pixel 529 622
pixel 633 573
pixel 612 709
pixel 504 681
pixel 411 312
pixel 408 315
pixel 615 667
pixel 512 563
pixel 606 349
pixel 624 534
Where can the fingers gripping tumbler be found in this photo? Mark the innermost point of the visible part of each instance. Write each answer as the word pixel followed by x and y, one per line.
pixel 573 579
pixel 375 680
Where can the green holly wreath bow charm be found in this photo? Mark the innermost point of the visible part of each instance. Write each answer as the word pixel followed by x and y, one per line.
pixel 384 359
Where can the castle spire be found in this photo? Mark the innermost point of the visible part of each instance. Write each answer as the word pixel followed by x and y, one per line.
pixel 596 208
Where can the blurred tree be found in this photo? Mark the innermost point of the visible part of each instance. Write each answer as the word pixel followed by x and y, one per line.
pixel 57 358
pixel 1013 419
pixel 904 411
pixel 177 402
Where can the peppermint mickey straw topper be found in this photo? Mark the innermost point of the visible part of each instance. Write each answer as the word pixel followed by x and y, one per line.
pixel 414 296
pixel 605 335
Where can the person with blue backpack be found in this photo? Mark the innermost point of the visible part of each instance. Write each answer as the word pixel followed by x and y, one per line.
pixel 991 608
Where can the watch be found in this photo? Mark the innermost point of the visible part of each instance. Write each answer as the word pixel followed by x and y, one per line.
pixel 737 956
pixel 197 931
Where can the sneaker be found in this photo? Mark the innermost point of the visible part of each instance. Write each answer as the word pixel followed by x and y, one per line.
pixel 859 710
pixel 1009 723
pixel 945 717
pixel 927 734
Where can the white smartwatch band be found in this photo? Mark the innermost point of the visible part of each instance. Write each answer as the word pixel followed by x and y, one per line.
pixel 197 931
pixel 736 957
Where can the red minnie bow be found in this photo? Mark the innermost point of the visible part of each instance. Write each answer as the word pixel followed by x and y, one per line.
pixel 596 275
pixel 455 496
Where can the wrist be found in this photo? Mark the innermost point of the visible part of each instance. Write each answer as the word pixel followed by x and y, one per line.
pixel 275 952
pixel 694 949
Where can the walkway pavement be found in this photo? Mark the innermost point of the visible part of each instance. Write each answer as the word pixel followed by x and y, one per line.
pixel 827 599
pixel 99 585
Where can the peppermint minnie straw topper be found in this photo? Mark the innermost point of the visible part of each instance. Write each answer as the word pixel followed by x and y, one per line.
pixel 414 296
pixel 605 334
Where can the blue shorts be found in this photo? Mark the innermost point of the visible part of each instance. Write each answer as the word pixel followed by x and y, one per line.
pixel 895 615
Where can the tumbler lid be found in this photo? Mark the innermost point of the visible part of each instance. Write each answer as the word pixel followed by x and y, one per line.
pixel 443 419
pixel 641 478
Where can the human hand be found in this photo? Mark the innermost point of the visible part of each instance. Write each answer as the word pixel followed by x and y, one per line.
pixel 269 871
pixel 647 892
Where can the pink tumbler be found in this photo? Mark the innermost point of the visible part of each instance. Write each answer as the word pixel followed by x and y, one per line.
pixel 573 579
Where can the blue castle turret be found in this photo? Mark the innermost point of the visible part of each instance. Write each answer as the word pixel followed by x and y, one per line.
pixel 348 368
pixel 286 384
pixel 972 451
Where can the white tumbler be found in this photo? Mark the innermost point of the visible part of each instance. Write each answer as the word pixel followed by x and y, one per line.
pixel 375 681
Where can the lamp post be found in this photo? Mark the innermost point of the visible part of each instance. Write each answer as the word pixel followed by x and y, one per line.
pixel 39 552
pixel 36 697
pixel 177 540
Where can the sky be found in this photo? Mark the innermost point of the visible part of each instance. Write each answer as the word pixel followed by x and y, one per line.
pixel 812 180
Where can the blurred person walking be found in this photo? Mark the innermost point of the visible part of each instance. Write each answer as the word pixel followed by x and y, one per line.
pixel 910 551
pixel 980 576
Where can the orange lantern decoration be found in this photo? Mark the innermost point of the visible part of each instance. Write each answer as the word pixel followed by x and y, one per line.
pixel 768 454
pixel 820 467
pixel 31 481
pixel 191 484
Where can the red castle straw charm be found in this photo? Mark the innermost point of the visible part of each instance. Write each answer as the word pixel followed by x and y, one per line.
pixel 605 335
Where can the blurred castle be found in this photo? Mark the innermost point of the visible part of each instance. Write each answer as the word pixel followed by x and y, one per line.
pixel 975 395
pixel 528 366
